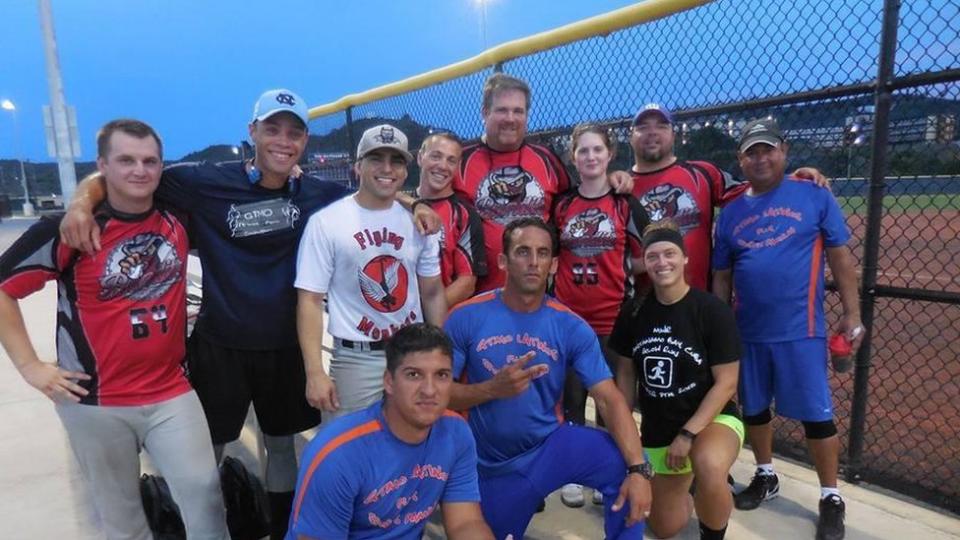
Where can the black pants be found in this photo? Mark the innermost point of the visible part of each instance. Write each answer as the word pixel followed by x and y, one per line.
pixel 574 393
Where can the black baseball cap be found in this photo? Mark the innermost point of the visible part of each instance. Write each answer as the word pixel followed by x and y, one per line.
pixel 761 130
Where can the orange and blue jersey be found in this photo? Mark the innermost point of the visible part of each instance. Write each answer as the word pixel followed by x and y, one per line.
pixel 487 336
pixel 357 480
pixel 775 244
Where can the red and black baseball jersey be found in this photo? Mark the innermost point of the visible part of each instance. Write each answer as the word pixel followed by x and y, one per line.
pixel 504 186
pixel 121 314
pixel 462 252
pixel 598 237
pixel 687 192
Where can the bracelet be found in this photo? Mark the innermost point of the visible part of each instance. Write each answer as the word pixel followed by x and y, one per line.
pixel 413 205
pixel 684 432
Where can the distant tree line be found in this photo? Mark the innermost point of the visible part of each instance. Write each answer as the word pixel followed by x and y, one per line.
pixel 708 143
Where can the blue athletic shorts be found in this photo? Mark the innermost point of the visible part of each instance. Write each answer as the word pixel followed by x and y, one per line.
pixel 571 454
pixel 793 374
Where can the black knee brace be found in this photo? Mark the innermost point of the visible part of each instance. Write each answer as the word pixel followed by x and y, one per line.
pixel 819 430
pixel 758 419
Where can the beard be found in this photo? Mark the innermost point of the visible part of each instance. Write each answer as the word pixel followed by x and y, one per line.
pixel 651 156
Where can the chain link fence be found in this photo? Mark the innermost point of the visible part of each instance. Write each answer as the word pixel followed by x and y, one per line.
pixel 866 91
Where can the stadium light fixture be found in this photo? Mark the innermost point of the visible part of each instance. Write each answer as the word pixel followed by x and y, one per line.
pixel 8 105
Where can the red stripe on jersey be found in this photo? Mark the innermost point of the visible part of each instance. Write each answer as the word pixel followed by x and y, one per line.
pixel 372 426
pixel 478 299
pixel 27 282
pixel 815 258
pixel 551 303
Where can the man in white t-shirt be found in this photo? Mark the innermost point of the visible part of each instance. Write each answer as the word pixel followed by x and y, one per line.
pixel 365 257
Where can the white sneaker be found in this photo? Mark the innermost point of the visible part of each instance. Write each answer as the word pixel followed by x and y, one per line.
pixel 597 497
pixel 572 495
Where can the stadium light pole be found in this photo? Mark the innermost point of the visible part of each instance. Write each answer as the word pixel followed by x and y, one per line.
pixel 8 105
pixel 483 22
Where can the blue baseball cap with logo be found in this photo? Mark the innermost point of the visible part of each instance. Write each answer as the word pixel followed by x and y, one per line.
pixel 652 108
pixel 280 100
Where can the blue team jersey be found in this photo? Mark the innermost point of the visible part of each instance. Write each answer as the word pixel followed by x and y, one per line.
pixel 248 237
pixel 487 335
pixel 358 481
pixel 775 244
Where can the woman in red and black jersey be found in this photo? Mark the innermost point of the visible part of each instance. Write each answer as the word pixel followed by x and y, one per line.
pixel 599 255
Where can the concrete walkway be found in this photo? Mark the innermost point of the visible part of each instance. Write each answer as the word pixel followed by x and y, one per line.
pixel 42 495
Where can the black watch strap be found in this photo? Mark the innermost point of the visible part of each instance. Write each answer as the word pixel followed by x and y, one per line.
pixel 643 469
pixel 687 433
pixel 413 205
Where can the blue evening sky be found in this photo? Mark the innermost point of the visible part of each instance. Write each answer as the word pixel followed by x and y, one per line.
pixel 193 68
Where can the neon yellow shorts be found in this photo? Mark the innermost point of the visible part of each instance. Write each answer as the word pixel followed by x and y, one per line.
pixel 658 456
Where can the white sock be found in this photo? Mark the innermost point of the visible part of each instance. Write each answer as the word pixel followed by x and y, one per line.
pixel 765 468
pixel 828 491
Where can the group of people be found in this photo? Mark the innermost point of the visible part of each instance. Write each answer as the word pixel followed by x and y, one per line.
pixel 505 290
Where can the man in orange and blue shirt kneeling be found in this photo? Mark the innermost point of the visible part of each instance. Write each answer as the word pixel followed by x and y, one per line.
pixel 382 471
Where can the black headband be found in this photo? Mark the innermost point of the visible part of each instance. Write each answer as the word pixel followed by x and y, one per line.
pixel 664 235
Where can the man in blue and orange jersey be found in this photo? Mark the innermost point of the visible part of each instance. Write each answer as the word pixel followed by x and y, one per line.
pixel 381 472
pixel 463 258
pixel 512 349
pixel 769 252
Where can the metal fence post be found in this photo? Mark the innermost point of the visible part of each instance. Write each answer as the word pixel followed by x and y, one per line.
pixel 871 246
pixel 351 143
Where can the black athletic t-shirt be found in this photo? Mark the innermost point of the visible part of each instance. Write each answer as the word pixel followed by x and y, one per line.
pixel 673 348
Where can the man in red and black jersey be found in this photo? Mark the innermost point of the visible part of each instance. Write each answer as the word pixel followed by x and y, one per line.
pixel 504 176
pixel 118 384
pixel 684 191
pixel 462 254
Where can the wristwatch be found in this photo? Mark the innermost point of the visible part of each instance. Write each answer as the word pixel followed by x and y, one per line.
pixel 643 469
pixel 684 432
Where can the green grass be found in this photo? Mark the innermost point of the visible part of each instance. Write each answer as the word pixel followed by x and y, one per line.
pixel 902 203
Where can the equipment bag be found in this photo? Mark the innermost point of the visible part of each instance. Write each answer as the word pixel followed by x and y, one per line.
pixel 163 515
pixel 248 512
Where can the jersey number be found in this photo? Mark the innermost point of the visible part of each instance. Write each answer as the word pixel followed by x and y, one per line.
pixel 585 274
pixel 139 320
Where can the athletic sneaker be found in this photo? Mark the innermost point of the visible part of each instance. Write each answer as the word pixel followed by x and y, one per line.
pixel 830 524
pixel 597 497
pixel 763 487
pixel 572 495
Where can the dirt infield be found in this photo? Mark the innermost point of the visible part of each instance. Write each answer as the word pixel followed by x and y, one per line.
pixel 912 436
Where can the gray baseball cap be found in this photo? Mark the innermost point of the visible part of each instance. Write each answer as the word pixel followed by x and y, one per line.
pixel 383 136
pixel 762 130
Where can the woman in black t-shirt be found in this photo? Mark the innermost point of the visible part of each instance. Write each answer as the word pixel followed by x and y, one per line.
pixel 681 345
